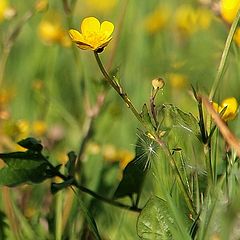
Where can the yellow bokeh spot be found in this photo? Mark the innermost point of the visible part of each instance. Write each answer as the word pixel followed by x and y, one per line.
pixel 3 8
pixel 236 37
pixel 41 5
pixel 189 20
pixel 39 128
pixel 177 80
pixel 228 9
pixel 157 20
pixel 102 6
pixel 51 31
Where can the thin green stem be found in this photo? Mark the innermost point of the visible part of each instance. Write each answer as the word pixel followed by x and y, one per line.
pixel 224 56
pixel 106 200
pixel 92 193
pixel 118 89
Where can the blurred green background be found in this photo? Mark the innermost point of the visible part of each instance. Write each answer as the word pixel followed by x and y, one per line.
pixel 48 88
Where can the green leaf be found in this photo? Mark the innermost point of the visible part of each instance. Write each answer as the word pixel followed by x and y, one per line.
pixel 55 187
pixel 15 176
pixel 183 120
pixel 154 221
pixel 146 117
pixel 70 165
pixel 135 172
pixel 31 144
pixel 22 160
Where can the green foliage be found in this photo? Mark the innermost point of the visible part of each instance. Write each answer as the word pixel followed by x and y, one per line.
pixel 181 119
pixel 184 179
pixel 155 221
pixel 136 170
pixel 25 167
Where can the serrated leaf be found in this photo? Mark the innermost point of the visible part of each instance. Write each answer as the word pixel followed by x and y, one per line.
pixel 12 177
pixel 55 187
pixel 31 144
pixel 135 172
pixel 184 120
pixel 154 221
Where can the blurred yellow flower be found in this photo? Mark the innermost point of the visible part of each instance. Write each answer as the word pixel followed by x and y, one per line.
pixel 125 158
pixel 228 9
pixel 236 37
pixel 101 6
pixel 228 108
pixel 94 36
pixel 22 129
pixel 177 80
pixel 51 31
pixel 6 11
pixel 39 128
pixel 188 20
pixel 157 19
pixel 112 154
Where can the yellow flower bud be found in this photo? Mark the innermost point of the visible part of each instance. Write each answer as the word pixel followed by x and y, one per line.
pixel 158 83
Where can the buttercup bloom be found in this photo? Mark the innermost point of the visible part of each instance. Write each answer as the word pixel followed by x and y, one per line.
pixel 228 9
pixel 94 36
pixel 228 108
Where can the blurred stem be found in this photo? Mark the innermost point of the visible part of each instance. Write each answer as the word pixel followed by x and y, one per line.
pixel 119 27
pixel 7 203
pixel 224 56
pixel 90 192
pixel 106 200
pixel 8 43
pixel 58 215
pixel 3 62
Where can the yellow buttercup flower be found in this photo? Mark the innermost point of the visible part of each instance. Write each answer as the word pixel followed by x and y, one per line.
pixel 228 9
pixel 94 36
pixel 228 108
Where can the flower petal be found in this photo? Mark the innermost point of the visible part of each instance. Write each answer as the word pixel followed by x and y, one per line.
pixel 90 25
pixel 84 46
pixel 75 35
pixel 107 28
pixel 104 44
